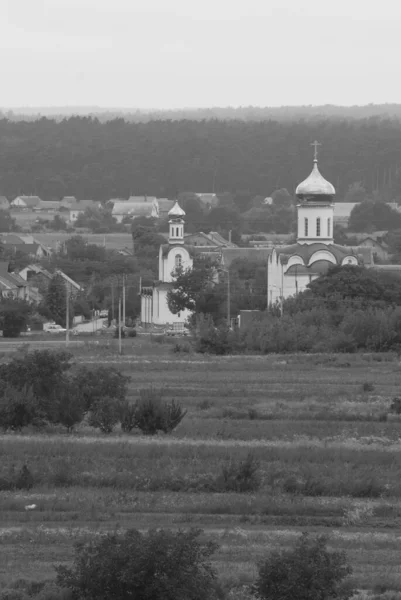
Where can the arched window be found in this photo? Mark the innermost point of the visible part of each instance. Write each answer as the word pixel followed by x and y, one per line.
pixel 318 227
pixel 178 260
pixel 328 227
pixel 306 226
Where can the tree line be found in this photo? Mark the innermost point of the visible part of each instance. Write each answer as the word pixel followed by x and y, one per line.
pixel 92 159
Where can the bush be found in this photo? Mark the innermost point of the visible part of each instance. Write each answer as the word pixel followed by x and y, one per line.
pixel 18 407
pixel 152 414
pixel 307 572
pixel 24 479
pixel 241 476
pixel 395 405
pixel 105 414
pixel 116 333
pixel 127 416
pixel 69 406
pixel 158 565
pixel 368 386
pixel 131 333
pixel 99 382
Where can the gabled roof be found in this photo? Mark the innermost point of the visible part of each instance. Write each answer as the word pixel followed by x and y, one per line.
pixel 141 199
pixel 48 205
pixel 135 209
pixel 10 280
pixel 83 204
pixel 30 201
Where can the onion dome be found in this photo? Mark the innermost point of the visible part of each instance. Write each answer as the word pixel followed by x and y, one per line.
pixel 315 184
pixel 176 211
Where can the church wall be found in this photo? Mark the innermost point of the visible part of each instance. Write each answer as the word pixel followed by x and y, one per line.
pixel 161 312
pixel 168 263
pixel 294 285
pixel 312 212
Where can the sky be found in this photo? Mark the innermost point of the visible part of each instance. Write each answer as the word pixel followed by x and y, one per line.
pixel 185 53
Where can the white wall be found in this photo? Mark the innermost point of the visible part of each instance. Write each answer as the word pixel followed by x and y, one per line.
pixel 324 212
pixel 167 263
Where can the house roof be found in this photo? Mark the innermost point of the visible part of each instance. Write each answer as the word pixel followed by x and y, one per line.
pixel 165 204
pixel 306 251
pixel 48 205
pixel 30 201
pixel 344 209
pixel 11 239
pixel 135 209
pixel 231 254
pixel 141 199
pixel 10 280
pixel 38 269
pixel 83 204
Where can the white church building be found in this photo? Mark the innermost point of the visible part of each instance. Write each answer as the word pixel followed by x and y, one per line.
pixel 291 268
pixel 154 307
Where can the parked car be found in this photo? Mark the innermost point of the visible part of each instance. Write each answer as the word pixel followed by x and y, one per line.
pixel 50 328
pixel 104 313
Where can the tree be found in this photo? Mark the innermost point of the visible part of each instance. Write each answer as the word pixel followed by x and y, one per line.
pixel 68 405
pixel 56 299
pixel 105 414
pixel 18 407
pixel 157 565
pixel 309 571
pixel 355 193
pixel 374 216
pixel 7 223
pixel 14 315
pixel 100 382
pixel 191 287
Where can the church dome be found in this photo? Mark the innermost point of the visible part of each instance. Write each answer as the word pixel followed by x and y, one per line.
pixel 176 211
pixel 315 185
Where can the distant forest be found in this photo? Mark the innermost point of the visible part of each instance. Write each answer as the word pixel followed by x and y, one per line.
pixel 89 158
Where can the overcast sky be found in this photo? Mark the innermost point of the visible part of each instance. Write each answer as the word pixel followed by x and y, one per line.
pixel 198 53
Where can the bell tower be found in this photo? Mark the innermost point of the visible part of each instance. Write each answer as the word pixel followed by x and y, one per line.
pixel 176 225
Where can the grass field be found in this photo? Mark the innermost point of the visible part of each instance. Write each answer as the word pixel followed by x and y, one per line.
pixel 328 448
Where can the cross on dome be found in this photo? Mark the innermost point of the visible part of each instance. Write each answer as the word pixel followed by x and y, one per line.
pixel 316 145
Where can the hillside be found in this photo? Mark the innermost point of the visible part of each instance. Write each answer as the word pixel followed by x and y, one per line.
pixel 90 159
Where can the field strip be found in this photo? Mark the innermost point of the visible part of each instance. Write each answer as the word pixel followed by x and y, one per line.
pixel 365 444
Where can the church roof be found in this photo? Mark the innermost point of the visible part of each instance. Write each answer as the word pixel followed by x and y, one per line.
pixel 258 254
pixel 306 251
pixel 315 185
pixel 176 211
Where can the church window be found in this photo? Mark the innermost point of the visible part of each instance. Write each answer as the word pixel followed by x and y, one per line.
pixel 306 227
pixel 328 227
pixel 178 260
pixel 177 233
pixel 318 227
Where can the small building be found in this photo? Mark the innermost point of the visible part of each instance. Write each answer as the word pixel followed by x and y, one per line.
pixel 342 212
pixel 136 206
pixel 39 278
pixel 154 306
pixel 212 239
pixel 79 207
pixel 11 284
pixel 26 244
pixel 380 250
pixel 24 202
pixel 47 206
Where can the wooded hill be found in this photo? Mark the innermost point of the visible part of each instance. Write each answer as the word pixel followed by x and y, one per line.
pixel 84 157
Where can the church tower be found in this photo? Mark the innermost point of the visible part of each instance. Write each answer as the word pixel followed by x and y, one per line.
pixel 316 207
pixel 176 225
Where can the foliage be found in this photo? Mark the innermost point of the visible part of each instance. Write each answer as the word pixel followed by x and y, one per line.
pixel 68 406
pixel 56 299
pixel 309 571
pixel 158 565
pixel 14 315
pixel 127 416
pixel 104 414
pixel 152 414
pixel 371 216
pixel 43 371
pixel 243 476
pixel 7 223
pixel 191 287
pixel 214 340
pixel 99 382
pixel 18 407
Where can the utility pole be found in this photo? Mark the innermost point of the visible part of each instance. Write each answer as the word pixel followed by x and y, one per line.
pixel 112 301
pixel 124 299
pixel 228 299
pixel 67 318
pixel 119 326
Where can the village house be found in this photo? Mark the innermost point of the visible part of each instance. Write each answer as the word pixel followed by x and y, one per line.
pixel 25 202
pixel 136 206
pixel 26 244
pixel 39 278
pixel 11 284
pixel 79 207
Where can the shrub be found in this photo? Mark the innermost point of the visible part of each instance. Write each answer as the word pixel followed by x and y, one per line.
pixel 24 480
pixel 116 333
pixel 100 382
pixel 105 414
pixel 241 476
pixel 309 571
pixel 158 565
pixel 132 333
pixel 368 386
pixel 69 406
pixel 395 405
pixel 182 347
pixel 18 408
pixel 127 416
pixel 152 414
